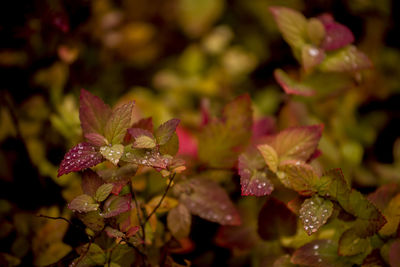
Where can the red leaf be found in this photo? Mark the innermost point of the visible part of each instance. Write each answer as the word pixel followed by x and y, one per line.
pixel 336 35
pixel 136 132
pixel 187 143
pixel 90 182
pixel 96 139
pixel 116 205
pixel 145 124
pixel 93 113
pixel 82 156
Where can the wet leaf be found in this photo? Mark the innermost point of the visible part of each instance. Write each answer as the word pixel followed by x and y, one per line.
pixel 350 244
pixel 112 232
pixel 336 35
pixel 311 56
pixel 292 24
pixel 81 156
pixel 93 220
pixel 103 192
pixel 298 176
pixel 208 200
pixel 319 253
pixel 93 113
pixel 290 86
pixel 96 139
pixel 146 157
pixel 166 130
pixel 119 174
pixel 179 221
pixel 91 182
pixel 118 123
pixel 283 223
pixel 83 203
pixel 314 213
pixel 347 59
pixel 116 205
pixel 113 153
pixel 144 141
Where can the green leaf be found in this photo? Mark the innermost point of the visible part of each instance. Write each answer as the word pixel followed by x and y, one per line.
pixel 320 253
pixel 392 215
pixel 144 142
pixel 350 244
pixel 314 213
pixel 171 147
pixel 103 192
pixel 291 86
pixel 83 203
pixel 298 176
pixel 123 173
pixel 311 56
pixel 53 253
pixel 93 113
pixel 95 254
pixel 93 220
pixel 118 123
pixel 315 31
pixel 113 153
pixel 270 156
pixel 347 59
pixel 208 200
pixel 292 24
pixel 151 158
pixel 220 142
pixel 297 143
pixel 166 131
pixel 282 223
pixel 111 232
pixel 179 221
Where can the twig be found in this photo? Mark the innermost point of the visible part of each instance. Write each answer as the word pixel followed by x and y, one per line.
pixel 161 200
pixel 138 214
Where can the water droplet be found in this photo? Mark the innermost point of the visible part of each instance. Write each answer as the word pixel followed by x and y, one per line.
pixel 228 217
pixel 306 220
pixel 118 152
pixel 316 253
pixel 313 52
pixel 306 228
pixel 311 227
pixel 68 157
pixel 128 154
pixel 79 152
pixel 319 260
pixel 259 186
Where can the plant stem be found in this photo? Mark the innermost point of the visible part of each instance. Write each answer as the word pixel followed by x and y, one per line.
pixel 138 215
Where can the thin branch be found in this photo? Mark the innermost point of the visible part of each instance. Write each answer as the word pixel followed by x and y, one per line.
pixel 138 214
pixel 161 200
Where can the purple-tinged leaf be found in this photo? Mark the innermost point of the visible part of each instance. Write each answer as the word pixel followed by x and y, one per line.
pixel 165 131
pixel 179 221
pixel 282 223
pixel 144 141
pixel 253 177
pixel 270 156
pixel 112 232
pixel 320 253
pixel 93 220
pixel 93 113
pixel 382 196
pixel 297 143
pixel 90 182
pixel 292 24
pixel 283 261
pixel 208 200
pixel 116 205
pixel 374 259
pixel 311 56
pixel 394 255
pixel 118 123
pixel 146 124
pixel 336 35
pixel 314 213
pixel 290 86
pixel 298 176
pixel 83 203
pixel 82 156
pixel 136 132
pixel 103 192
pixel 347 59
pixel 113 153
pixel 96 139
pixel 350 244
pixel 315 31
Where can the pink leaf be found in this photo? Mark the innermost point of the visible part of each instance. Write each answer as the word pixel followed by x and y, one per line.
pixel 336 35
pixel 290 86
pixel 116 205
pixel 82 156
pixel 96 139
pixel 93 113
pixel 187 142
pixel 136 132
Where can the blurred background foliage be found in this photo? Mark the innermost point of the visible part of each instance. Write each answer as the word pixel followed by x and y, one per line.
pixel 175 58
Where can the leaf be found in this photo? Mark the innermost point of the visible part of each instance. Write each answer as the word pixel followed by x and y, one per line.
pixel 282 223
pixel 315 31
pixel 93 113
pixel 165 131
pixel 292 24
pixel 336 35
pixel 113 153
pixel 297 143
pixel 93 220
pixel 96 139
pixel 144 141
pixel 311 56
pixel 220 142
pixel 118 123
pixel 283 261
pixel 208 200
pixel 111 232
pixel 116 205
pixel 290 86
pixel 319 253
pixel 374 259
pixel 253 179
pixel 120 174
pixel 145 124
pixel 171 147
pixel 382 196
pixel 392 215
pixel 136 132
pixel 103 192
pixel 394 256
pixel 350 244
pixel 53 253
pixel 150 158
pixel 167 203
pixel 81 156
pixel 90 182
pixel 314 213
pixel 347 59
pixel 83 203
pixel 179 221
pixel 270 156
pixel 243 237
pixel 95 254
pixel 298 176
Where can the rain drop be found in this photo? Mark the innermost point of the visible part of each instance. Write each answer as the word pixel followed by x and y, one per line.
pixel 228 217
